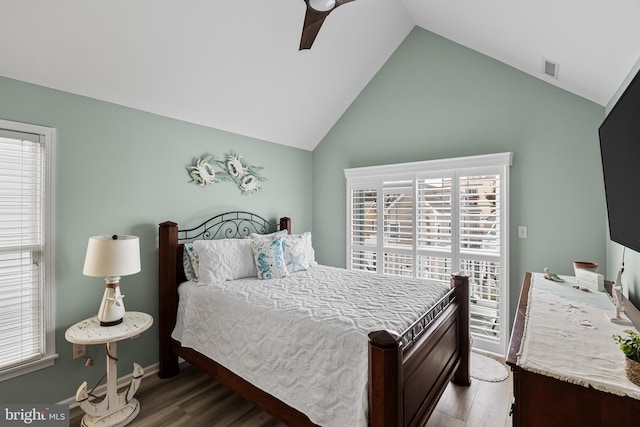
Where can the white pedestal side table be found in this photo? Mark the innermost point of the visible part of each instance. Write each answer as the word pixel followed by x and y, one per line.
pixel 116 409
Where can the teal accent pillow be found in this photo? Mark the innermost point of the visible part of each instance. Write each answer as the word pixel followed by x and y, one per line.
pixel 298 252
pixel 269 258
pixel 190 262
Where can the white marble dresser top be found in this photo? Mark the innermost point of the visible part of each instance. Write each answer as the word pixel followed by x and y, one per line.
pixel 90 332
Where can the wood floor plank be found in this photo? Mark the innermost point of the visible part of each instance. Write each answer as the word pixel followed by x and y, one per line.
pixel 492 403
pixel 440 419
pixel 205 399
pixel 491 406
pixel 456 401
pixel 256 418
pixel 224 412
pixel 172 416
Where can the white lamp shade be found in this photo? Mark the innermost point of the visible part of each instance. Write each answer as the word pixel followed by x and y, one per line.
pixel 112 256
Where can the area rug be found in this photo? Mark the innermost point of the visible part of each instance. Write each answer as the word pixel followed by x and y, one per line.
pixel 484 368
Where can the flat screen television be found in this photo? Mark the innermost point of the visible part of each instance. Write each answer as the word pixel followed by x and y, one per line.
pixel 620 151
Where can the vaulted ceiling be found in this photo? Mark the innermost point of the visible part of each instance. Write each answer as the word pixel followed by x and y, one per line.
pixel 235 65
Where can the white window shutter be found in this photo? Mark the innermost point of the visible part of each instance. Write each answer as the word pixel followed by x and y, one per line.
pixel 480 249
pixel 397 208
pixel 434 238
pixel 363 228
pixel 398 216
pixel 480 214
pixel 435 218
pixel 434 213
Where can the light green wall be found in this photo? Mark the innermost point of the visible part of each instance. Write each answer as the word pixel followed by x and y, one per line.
pixel 121 170
pixel 631 277
pixel 436 99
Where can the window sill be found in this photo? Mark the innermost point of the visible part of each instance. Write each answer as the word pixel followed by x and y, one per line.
pixel 28 367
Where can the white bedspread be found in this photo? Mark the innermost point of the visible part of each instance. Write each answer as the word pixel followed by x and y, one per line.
pixel 303 339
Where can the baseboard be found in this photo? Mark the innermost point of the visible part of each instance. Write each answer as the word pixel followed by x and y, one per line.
pixel 488 353
pixel 101 390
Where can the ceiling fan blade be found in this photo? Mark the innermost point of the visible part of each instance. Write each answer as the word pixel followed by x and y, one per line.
pixel 313 21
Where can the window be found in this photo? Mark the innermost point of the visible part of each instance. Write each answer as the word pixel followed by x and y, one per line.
pixel 27 314
pixel 432 219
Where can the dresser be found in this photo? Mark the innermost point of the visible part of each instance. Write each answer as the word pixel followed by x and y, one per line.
pixel 543 400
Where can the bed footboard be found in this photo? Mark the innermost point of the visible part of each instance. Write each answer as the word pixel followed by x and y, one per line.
pixel 405 386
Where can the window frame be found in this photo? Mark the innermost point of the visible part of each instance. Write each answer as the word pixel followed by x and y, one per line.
pixel 373 177
pixel 48 140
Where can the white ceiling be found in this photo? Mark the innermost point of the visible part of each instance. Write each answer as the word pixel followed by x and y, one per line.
pixel 235 65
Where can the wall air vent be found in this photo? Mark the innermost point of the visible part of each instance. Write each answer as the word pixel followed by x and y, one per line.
pixel 550 68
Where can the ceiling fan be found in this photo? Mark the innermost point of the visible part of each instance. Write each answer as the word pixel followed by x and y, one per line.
pixel 317 11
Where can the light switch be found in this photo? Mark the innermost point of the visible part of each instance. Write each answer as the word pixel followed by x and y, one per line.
pixel 522 232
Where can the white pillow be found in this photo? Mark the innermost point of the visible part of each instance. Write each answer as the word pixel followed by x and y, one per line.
pixel 224 259
pixel 279 233
pixel 298 251
pixel 269 258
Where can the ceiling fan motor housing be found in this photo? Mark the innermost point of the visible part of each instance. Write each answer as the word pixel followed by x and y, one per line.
pixel 322 5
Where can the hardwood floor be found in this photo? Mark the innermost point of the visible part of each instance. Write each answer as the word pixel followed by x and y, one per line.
pixel 483 404
pixel 192 399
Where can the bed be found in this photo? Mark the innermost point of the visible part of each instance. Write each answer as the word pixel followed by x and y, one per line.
pixel 406 372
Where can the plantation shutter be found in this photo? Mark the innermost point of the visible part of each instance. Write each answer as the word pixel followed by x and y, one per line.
pixel 397 216
pixel 480 252
pixel 432 219
pixel 363 228
pixel 435 234
pixel 21 248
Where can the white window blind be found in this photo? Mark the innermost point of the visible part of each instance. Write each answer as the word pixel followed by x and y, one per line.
pixel 433 219
pixel 26 294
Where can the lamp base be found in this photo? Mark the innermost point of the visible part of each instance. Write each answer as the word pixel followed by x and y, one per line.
pixel 111 310
pixel 112 323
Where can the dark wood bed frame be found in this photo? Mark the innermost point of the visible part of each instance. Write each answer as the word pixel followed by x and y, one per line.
pixel 405 382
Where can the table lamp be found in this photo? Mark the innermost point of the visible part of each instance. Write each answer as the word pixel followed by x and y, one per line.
pixel 112 257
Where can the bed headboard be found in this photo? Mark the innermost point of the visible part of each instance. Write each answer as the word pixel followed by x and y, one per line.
pixel 232 225
pixel 229 225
